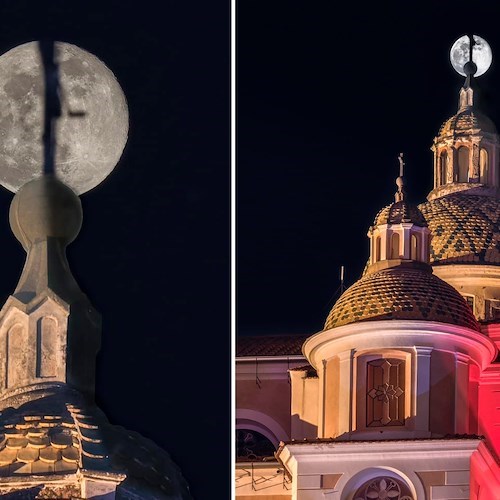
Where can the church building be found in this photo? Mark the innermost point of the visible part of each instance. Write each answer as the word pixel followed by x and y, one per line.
pixel 399 395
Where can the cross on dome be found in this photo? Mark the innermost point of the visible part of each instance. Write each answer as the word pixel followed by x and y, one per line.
pixel 399 196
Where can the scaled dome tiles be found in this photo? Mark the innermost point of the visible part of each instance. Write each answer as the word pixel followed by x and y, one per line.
pixel 465 229
pixel 398 212
pixel 465 122
pixel 401 293
pixel 39 445
pixel 49 435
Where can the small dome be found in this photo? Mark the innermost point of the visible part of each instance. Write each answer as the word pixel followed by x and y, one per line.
pixel 465 229
pixel 400 211
pixel 465 121
pixel 402 292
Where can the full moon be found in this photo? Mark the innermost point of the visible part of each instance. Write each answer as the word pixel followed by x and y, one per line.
pixel 481 54
pixel 91 132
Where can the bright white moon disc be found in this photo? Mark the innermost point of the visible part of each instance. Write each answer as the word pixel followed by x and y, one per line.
pixel 481 55
pixel 91 132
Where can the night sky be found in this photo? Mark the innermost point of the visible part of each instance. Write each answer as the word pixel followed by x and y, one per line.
pixel 153 255
pixel 327 99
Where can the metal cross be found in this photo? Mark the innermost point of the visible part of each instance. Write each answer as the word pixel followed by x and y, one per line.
pixel 471 45
pixel 401 164
pixel 52 103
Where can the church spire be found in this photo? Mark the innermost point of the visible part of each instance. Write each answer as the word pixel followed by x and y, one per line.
pixel 466 149
pixel 51 330
pixel 466 97
pixel 400 194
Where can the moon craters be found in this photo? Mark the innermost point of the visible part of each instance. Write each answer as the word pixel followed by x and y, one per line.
pixel 91 132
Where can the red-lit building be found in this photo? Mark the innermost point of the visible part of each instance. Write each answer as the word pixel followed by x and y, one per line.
pixel 399 395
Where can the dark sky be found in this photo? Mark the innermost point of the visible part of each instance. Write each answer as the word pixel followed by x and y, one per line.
pixel 327 99
pixel 153 253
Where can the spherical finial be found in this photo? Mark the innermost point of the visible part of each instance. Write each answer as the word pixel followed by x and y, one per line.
pixel 45 208
pixel 90 133
pixel 481 55
pixel 400 183
pixel 470 68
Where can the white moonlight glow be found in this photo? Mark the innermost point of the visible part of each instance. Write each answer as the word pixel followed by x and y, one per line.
pixel 91 132
pixel 481 54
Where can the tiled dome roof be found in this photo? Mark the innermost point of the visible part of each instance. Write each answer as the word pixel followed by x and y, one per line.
pixel 465 229
pixel 58 431
pixel 400 211
pixel 401 293
pixel 465 121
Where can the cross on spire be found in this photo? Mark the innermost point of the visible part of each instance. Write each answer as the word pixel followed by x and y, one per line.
pixel 399 195
pixel 52 103
pixel 471 45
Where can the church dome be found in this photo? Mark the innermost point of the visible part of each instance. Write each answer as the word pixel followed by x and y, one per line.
pixel 466 121
pixel 51 428
pixel 400 212
pixel 401 292
pixel 465 229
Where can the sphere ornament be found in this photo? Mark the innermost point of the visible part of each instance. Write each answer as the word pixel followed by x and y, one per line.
pixel 45 208
pixel 90 133
pixel 481 56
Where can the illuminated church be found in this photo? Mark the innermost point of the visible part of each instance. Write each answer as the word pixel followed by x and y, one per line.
pixel 399 395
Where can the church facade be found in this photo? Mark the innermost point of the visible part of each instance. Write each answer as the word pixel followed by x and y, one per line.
pixel 399 395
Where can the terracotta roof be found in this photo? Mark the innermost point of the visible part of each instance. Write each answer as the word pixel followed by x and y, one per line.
pixel 447 437
pixel 465 229
pixel 466 121
pixel 400 211
pixel 39 445
pixel 402 292
pixel 270 345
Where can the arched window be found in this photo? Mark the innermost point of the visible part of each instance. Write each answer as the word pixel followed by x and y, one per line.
pixel 414 247
pixel 483 166
pixel 443 167
pixel 395 246
pixel 378 243
pixel 463 164
pixel 252 446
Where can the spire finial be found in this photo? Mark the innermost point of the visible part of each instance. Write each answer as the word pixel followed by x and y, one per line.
pixel 399 196
pixel 470 67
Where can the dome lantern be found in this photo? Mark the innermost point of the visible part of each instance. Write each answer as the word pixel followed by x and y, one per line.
pixel 466 149
pixel 399 232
